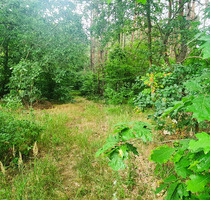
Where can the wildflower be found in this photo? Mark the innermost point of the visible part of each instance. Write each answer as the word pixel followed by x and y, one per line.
pixel 165 132
pixel 174 121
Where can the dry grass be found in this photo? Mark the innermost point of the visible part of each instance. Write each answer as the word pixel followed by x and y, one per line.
pixel 73 133
pixel 88 125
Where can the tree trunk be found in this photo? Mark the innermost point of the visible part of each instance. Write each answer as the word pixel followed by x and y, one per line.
pixel 98 66
pixel 6 69
pixel 149 33
pixel 92 47
pixel 181 52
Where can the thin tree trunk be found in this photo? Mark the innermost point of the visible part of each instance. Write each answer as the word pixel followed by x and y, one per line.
pixel 193 10
pixel 92 47
pixel 148 11
pixel 98 66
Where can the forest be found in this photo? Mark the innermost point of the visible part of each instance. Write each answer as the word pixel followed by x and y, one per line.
pixel 104 99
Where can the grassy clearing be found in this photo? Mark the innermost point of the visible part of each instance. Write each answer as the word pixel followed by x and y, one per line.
pixel 66 167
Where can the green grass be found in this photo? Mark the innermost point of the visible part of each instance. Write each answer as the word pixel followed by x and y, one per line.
pixel 66 167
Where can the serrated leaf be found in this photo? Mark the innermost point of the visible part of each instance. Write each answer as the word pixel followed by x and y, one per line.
pixel 204 163
pixel 193 86
pixel 197 183
pixel 142 130
pixel 182 190
pixel 202 144
pixel 116 162
pixel 170 179
pixel 131 148
pixel 206 46
pixel 200 108
pixel 162 154
pixel 181 167
pixel 127 135
pixel 111 142
pixel 123 151
pixel 172 192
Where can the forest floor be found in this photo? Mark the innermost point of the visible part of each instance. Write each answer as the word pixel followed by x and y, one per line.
pixel 66 167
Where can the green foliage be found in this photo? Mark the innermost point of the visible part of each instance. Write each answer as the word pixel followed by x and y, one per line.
pixel 206 46
pixel 191 159
pixel 19 135
pixel 162 154
pixel 22 86
pixel 122 95
pixel 161 87
pixel 41 50
pixel 88 84
pixel 118 146
pixel 119 76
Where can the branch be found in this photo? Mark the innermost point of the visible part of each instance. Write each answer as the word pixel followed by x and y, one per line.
pixel 199 57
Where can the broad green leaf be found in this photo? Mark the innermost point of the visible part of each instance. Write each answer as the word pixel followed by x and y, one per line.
pixel 170 179
pixel 204 196
pixel 123 151
pixel 182 190
pixel 204 163
pixel 197 183
pixel 160 188
pixel 127 135
pixel 200 108
pixel 109 1
pixel 141 1
pixel 177 106
pixel 193 86
pixel 116 162
pixel 162 154
pixel 131 148
pixel 119 129
pixel 181 167
pixel 111 142
pixel 142 131
pixel 202 144
pixel 172 192
pixel 206 46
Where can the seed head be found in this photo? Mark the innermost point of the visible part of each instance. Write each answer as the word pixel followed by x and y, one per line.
pixel 35 149
pixel 20 160
pixel 2 168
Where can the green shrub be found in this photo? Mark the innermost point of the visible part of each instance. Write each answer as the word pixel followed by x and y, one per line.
pixel 22 86
pixel 89 84
pixel 18 135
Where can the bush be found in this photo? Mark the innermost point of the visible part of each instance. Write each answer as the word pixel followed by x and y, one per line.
pixel 18 135
pixel 22 86
pixel 89 84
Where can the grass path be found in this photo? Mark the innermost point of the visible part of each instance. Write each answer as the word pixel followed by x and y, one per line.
pixel 83 177
pixel 66 167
